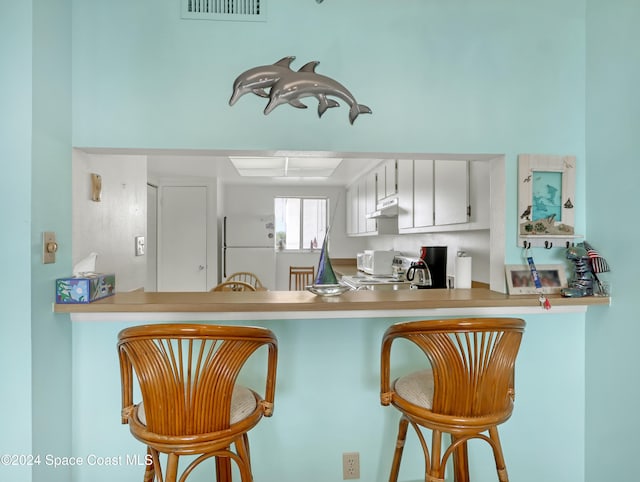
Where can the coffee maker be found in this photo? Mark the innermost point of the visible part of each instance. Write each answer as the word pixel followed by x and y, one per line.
pixel 435 257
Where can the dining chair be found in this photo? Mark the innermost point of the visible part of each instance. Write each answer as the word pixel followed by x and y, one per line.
pixel 247 277
pixel 234 286
pixel 466 388
pixel 300 277
pixel 191 403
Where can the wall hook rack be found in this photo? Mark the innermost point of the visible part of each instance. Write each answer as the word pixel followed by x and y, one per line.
pixel 548 242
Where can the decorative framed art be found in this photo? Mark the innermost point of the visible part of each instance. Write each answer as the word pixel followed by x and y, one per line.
pixel 519 281
pixel 546 197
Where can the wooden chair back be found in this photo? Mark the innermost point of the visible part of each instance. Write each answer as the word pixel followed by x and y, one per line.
pixel 246 277
pixel 234 286
pixel 187 373
pixel 472 360
pixel 300 277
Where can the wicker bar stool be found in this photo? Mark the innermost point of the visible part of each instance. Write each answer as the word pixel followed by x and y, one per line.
pixel 467 390
pixel 191 403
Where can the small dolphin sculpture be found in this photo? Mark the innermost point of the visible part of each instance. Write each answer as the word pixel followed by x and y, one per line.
pixel 258 79
pixel 293 86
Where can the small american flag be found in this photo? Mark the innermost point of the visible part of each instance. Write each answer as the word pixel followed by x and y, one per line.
pixel 598 263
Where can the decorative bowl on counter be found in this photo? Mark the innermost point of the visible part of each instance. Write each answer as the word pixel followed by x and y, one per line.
pixel 328 289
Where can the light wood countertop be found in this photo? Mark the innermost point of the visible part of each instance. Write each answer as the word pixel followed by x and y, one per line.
pixel 274 302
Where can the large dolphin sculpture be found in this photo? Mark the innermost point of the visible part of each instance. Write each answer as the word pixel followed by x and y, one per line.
pixel 258 79
pixel 293 86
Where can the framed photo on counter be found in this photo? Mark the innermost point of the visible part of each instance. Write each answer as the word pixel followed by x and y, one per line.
pixel 520 282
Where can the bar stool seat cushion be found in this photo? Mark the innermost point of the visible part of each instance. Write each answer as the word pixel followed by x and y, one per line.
pixel 416 388
pixel 243 404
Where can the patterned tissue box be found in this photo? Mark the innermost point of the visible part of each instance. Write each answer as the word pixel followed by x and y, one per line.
pixel 85 289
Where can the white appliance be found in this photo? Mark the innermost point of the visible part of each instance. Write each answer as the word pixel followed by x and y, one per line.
pixel 249 245
pixel 376 262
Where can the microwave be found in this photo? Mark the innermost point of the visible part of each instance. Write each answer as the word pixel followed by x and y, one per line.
pixel 376 262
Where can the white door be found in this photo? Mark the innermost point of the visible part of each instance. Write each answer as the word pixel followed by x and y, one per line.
pixel 182 238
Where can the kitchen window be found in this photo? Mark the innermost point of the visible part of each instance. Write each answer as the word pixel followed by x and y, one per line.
pixel 300 222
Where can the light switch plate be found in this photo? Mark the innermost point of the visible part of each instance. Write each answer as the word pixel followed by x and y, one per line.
pixel 139 245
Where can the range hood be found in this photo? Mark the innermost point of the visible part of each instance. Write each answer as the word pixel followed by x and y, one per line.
pixel 387 208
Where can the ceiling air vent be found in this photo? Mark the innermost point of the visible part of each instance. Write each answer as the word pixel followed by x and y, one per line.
pixel 238 10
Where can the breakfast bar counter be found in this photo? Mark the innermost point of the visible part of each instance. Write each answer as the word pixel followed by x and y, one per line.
pixel 176 306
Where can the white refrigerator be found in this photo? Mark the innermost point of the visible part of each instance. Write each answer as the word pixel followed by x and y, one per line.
pixel 249 245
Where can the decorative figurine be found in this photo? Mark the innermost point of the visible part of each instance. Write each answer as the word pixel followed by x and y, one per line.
pixel 587 263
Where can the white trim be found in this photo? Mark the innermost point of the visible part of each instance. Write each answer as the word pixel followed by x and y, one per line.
pixel 312 315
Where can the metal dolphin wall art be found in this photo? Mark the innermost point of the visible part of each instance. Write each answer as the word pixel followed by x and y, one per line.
pixel 258 79
pixel 288 87
pixel 292 87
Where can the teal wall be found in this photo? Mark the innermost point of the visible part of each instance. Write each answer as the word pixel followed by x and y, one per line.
pixel 327 403
pixel 457 77
pixel 15 196
pixel 35 147
pixel 50 211
pixel 544 77
pixel 613 124
pixel 490 77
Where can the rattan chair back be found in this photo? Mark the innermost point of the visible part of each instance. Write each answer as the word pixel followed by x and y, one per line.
pixel 187 374
pixel 471 366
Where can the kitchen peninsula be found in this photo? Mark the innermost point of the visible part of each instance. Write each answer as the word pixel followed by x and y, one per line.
pixel 177 306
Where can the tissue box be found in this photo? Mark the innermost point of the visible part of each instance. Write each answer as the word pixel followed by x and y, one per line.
pixel 85 289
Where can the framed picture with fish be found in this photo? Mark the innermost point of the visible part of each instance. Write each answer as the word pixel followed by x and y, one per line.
pixel 520 282
pixel 546 195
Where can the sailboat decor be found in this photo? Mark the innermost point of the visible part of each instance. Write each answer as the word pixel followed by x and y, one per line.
pixel 326 282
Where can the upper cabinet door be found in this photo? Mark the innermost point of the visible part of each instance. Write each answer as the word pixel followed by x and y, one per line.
pixel 423 193
pixel 451 192
pixel 391 177
pixel 405 193
pixel 370 201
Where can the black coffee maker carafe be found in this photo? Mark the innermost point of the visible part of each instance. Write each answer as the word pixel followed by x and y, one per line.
pixel 419 275
pixel 435 257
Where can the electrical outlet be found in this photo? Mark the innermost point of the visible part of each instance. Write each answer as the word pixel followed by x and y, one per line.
pixel 350 465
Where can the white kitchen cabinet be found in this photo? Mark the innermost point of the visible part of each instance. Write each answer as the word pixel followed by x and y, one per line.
pixel 423 193
pixel 362 206
pixel 432 193
pixel 451 192
pixel 391 177
pixel 370 201
pixel 352 210
pixel 405 194
pixel 386 179
pixel 361 201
